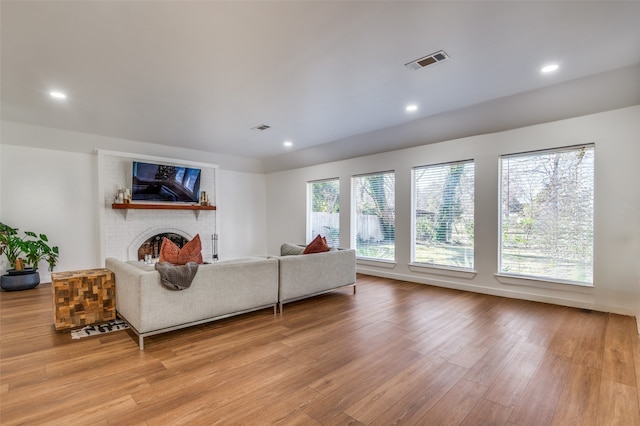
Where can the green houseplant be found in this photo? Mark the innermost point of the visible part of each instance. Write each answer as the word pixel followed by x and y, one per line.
pixel 24 253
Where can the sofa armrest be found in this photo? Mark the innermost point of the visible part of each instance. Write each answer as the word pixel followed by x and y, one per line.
pixel 129 282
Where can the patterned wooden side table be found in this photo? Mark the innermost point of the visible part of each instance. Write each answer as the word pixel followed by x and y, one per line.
pixel 83 297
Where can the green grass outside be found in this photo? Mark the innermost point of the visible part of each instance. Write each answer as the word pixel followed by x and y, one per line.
pixel 514 261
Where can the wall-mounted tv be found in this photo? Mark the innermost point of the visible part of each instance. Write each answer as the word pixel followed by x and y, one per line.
pixel 159 182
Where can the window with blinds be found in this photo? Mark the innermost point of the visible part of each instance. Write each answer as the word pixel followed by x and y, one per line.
pixel 324 211
pixel 546 209
pixel 443 208
pixel 374 220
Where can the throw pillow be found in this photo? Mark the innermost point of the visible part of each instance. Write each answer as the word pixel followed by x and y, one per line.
pixel 191 252
pixel 288 249
pixel 169 251
pixel 318 245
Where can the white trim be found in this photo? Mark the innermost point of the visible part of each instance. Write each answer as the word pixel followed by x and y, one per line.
pixel 154 158
pixel 499 292
pixel 529 281
pixel 387 264
pixel 101 208
pixel 442 270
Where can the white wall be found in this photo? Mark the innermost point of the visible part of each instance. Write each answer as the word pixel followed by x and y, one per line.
pixel 617 209
pixel 13 133
pixel 242 219
pixel 54 191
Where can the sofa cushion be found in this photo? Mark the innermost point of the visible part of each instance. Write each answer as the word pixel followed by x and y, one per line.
pixel 288 249
pixel 190 252
pixel 240 260
pixel 318 245
pixel 141 265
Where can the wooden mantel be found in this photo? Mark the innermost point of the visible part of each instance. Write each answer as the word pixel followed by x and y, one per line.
pixel 150 206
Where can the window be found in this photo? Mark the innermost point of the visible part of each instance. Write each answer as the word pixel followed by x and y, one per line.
pixel 443 214
pixel 375 228
pixel 546 207
pixel 324 211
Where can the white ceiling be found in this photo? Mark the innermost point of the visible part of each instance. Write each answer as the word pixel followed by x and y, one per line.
pixel 201 74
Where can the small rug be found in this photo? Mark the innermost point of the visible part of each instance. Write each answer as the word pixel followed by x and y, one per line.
pixel 92 330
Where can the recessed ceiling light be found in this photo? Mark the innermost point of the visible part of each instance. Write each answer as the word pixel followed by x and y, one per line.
pixel 287 144
pixel 411 108
pixel 549 68
pixel 57 95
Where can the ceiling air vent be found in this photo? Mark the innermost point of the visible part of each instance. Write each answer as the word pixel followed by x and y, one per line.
pixel 261 128
pixel 431 59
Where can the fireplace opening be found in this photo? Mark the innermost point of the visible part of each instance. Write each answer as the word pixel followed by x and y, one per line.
pixel 152 245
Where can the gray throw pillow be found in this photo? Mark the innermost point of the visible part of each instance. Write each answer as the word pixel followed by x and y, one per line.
pixel 288 249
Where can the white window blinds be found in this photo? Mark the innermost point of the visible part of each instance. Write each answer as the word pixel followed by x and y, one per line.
pixel 324 211
pixel 375 223
pixel 546 208
pixel 443 209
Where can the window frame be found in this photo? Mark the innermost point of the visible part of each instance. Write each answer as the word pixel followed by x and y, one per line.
pixel 414 201
pixel 543 281
pixel 309 226
pixel 354 217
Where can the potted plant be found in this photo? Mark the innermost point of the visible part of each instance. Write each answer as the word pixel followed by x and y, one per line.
pixel 24 253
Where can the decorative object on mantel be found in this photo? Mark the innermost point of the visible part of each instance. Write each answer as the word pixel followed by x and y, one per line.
pixel 122 196
pixel 204 198
pixel 24 253
pixel 92 330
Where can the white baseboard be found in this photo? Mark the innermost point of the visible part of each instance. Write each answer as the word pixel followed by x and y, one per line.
pixel 521 294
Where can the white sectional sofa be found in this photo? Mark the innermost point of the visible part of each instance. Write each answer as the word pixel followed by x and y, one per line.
pixel 225 288
pixel 217 291
pixel 307 275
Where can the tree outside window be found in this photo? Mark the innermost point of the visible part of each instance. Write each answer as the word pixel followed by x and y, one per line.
pixel 374 198
pixel 324 212
pixel 546 207
pixel 443 221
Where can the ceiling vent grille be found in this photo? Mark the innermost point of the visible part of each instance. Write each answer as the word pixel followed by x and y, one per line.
pixel 431 59
pixel 261 128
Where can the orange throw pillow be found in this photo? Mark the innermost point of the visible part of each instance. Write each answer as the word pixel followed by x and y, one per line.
pixel 169 251
pixel 318 245
pixel 191 252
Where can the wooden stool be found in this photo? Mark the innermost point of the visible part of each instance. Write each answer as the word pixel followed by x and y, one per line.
pixel 83 297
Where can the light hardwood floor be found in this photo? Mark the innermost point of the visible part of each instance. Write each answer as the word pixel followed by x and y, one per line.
pixel 395 352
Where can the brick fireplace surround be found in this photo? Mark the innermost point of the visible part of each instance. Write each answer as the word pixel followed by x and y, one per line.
pixel 124 231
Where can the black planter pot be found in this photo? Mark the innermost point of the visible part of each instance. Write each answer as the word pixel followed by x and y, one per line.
pixel 20 280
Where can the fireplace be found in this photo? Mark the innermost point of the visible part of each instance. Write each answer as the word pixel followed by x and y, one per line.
pixel 152 245
pixel 138 232
pixel 149 241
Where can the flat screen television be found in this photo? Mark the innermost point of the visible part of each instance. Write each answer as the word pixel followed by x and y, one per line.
pixel 159 182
